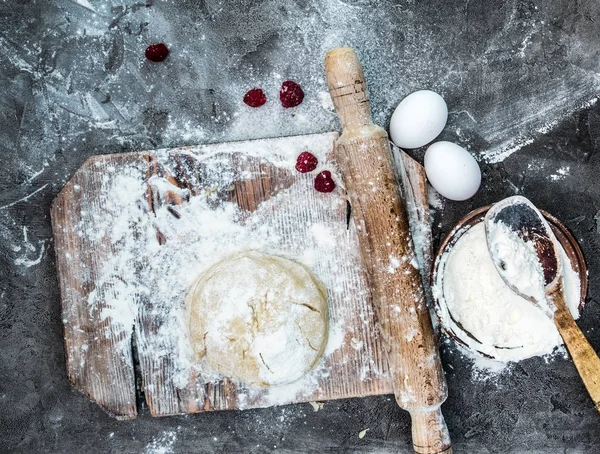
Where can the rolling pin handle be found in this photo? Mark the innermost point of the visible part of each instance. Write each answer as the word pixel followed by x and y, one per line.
pixel 346 82
pixel 429 432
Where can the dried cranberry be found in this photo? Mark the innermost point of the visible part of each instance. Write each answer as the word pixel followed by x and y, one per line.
pixel 255 97
pixel 306 162
pixel 291 95
pixel 324 182
pixel 157 52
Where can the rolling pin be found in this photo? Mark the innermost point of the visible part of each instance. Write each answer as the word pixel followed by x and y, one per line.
pixel 366 163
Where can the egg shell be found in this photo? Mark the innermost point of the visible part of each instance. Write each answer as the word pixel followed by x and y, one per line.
pixel 452 171
pixel 418 119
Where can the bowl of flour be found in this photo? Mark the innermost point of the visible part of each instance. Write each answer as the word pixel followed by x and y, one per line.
pixel 479 311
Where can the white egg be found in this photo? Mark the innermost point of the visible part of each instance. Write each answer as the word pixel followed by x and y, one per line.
pixel 418 119
pixel 452 171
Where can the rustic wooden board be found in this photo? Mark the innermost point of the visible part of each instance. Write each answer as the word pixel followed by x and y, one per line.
pixel 99 359
pixel 100 356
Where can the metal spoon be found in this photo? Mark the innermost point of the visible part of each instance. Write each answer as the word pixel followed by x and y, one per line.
pixel 525 253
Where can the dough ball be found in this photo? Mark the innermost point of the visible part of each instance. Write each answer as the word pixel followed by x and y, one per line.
pixel 258 318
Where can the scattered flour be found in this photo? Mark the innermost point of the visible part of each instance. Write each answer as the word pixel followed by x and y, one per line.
pixel 325 101
pixel 141 279
pixel 25 198
pixel 85 4
pixel 500 152
pixel 30 256
pixel 436 201
pixel 162 444
pixel 561 173
pixel 476 307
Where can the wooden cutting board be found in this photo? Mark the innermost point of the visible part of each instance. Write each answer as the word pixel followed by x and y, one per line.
pixel 110 355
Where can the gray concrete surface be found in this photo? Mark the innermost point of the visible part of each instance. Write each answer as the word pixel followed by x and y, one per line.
pixel 520 78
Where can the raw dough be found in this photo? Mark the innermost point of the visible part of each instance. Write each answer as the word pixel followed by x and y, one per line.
pixel 258 318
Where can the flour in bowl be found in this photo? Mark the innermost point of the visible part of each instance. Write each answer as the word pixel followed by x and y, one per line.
pixel 478 308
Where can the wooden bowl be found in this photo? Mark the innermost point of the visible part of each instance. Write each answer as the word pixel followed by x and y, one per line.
pixel 563 235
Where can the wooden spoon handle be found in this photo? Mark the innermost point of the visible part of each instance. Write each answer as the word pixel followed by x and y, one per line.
pixel 585 358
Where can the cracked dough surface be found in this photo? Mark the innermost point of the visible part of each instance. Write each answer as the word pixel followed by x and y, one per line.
pixel 258 318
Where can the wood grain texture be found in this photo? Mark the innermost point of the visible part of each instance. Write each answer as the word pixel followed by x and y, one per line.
pixel 413 182
pixel 99 358
pixel 100 361
pixel 584 357
pixel 364 155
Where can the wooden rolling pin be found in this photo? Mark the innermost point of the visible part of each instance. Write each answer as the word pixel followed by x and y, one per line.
pixel 365 158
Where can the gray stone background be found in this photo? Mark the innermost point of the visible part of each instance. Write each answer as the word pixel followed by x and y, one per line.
pixel 521 79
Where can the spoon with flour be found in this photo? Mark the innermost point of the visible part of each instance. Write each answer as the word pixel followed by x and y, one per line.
pixel 525 253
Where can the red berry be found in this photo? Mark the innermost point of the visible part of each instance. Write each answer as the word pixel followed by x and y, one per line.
pixel 291 94
pixel 306 162
pixel 324 182
pixel 157 52
pixel 255 97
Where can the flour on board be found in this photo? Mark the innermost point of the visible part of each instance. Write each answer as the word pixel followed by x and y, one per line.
pixel 205 229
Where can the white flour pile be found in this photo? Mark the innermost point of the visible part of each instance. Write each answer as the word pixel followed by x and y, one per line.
pixel 521 264
pixel 483 312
